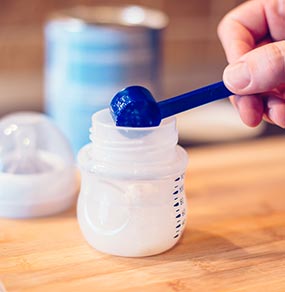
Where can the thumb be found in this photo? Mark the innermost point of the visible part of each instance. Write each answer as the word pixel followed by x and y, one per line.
pixel 260 70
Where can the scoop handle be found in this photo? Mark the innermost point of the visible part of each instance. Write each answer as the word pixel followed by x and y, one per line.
pixel 193 99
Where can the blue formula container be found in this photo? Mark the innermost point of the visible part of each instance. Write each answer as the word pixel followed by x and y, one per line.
pixel 92 53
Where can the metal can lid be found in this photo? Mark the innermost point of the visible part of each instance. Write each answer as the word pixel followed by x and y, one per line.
pixel 127 16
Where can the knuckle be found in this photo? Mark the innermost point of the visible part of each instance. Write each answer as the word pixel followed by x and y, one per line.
pixel 275 55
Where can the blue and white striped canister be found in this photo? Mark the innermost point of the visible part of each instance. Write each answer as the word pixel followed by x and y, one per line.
pixel 93 52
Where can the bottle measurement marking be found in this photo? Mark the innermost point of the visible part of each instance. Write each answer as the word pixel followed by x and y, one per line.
pixel 178 192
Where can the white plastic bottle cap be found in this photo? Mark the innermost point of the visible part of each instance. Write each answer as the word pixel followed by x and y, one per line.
pixel 37 172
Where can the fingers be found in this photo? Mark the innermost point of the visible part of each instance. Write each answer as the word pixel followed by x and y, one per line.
pixel 243 28
pixel 250 108
pixel 257 63
pixel 260 70
pixel 240 29
pixel 253 108
pixel 275 111
pixel 275 15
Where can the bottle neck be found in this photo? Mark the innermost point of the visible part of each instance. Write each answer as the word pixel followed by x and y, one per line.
pixel 132 145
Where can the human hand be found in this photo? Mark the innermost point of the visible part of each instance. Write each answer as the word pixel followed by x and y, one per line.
pixel 253 37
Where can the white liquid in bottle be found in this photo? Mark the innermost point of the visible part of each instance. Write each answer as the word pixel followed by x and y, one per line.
pixel 132 200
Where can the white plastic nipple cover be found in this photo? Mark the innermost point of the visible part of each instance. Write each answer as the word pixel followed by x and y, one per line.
pixel 37 171
pixel 25 158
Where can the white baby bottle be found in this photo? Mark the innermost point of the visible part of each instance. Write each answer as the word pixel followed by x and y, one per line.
pixel 132 200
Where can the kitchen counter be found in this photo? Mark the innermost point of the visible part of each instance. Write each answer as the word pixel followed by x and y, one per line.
pixel 234 240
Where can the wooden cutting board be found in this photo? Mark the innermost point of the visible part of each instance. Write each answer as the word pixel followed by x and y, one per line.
pixel 234 240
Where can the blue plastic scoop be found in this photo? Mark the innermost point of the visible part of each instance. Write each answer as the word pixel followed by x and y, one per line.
pixel 135 106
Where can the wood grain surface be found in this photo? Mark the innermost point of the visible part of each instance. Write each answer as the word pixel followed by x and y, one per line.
pixel 234 240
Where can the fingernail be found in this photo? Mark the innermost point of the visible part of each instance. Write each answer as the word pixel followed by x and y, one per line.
pixel 276 118
pixel 275 108
pixel 237 76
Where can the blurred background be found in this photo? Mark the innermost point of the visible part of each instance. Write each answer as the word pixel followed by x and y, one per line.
pixel 192 55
